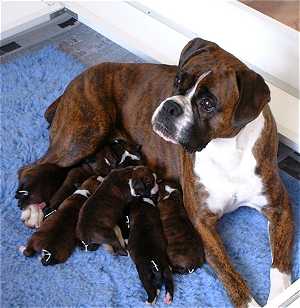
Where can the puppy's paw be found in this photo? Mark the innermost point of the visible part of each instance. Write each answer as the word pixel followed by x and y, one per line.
pixel 22 249
pixel 26 251
pixel 25 214
pixel 47 258
pixel 152 297
pixel 120 251
pixel 168 298
pixel 88 247
pixel 36 215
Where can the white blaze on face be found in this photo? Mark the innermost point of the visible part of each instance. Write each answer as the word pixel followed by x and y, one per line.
pixel 132 191
pixel 169 190
pixel 127 154
pixel 186 119
pixel 148 200
pixel 155 188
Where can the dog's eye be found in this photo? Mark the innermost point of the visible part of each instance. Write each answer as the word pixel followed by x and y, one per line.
pixel 207 104
pixel 177 81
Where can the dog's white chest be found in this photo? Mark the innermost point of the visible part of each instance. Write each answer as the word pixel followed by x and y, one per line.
pixel 226 168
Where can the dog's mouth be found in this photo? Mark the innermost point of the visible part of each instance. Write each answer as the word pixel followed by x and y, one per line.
pixel 162 131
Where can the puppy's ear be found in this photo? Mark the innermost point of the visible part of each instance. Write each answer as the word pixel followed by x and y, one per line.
pixel 254 94
pixel 193 47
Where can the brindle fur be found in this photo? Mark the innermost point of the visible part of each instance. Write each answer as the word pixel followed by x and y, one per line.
pixel 184 246
pixel 57 233
pixel 103 210
pixel 111 94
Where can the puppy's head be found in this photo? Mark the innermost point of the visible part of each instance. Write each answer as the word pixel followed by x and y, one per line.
pixel 214 96
pixel 143 183
pixel 126 152
pixel 167 190
pixel 37 183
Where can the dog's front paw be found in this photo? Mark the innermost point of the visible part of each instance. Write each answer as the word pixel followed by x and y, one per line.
pixel 33 215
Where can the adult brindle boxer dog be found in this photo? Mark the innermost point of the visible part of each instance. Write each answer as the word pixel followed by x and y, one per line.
pixel 219 141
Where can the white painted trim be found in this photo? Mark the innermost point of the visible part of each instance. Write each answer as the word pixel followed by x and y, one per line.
pixel 18 16
pixel 258 40
pixel 146 34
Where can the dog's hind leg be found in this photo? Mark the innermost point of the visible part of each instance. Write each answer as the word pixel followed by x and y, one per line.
pixel 50 111
pixel 83 119
pixel 281 231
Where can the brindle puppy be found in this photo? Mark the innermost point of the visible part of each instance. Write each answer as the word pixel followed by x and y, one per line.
pixel 118 153
pixel 56 238
pixel 184 247
pixel 148 249
pixel 101 213
pixel 37 184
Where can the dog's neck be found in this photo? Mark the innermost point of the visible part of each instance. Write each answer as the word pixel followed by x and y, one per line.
pixel 229 152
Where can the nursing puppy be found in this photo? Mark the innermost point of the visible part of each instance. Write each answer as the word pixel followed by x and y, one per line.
pixel 118 153
pixel 184 245
pixel 147 248
pixel 101 213
pixel 37 185
pixel 56 238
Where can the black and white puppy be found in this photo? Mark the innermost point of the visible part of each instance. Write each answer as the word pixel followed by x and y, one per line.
pixel 148 249
pixel 101 213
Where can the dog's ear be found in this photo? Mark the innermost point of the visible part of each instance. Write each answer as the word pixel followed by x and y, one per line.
pixel 193 47
pixel 254 94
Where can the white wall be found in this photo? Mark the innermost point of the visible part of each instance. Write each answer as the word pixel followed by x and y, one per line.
pixel 17 16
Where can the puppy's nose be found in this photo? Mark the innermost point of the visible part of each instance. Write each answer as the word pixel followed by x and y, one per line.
pixel 172 108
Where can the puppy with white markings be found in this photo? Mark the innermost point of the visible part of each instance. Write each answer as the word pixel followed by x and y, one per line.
pixel 184 245
pixel 117 153
pixel 37 184
pixel 56 238
pixel 101 213
pixel 148 249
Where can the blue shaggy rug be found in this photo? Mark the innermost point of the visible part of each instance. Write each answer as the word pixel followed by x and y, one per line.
pixel 29 84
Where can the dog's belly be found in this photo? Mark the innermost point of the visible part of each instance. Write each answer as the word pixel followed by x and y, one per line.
pixel 226 169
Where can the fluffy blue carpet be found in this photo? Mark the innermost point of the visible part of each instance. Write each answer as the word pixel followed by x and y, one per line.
pixel 29 84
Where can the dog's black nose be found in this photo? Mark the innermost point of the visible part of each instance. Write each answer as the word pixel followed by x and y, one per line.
pixel 172 108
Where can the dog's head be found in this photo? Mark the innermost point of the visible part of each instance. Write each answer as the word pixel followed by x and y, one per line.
pixel 37 184
pixel 143 183
pixel 214 96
